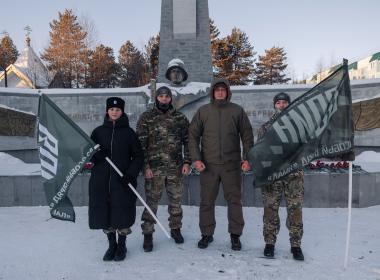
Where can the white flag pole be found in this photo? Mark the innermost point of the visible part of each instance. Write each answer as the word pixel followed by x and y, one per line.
pixel 140 198
pixel 349 213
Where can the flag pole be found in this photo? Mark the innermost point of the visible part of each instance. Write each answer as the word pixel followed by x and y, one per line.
pixel 349 213
pixel 140 198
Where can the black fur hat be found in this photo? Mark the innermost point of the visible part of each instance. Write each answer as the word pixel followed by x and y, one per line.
pixel 115 102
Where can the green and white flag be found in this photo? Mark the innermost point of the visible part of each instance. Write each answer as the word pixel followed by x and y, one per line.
pixel 64 149
pixel 317 124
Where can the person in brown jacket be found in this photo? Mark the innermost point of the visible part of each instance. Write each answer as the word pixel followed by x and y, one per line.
pixel 214 145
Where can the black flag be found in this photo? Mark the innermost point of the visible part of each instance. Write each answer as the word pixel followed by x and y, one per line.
pixel 318 124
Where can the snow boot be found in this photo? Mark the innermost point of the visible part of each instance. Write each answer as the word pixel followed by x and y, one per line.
pixel 297 253
pixel 121 249
pixel 110 253
pixel 148 242
pixel 235 242
pixel 177 236
pixel 269 250
pixel 206 239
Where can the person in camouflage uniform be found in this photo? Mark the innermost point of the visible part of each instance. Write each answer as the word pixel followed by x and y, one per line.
pixel 163 133
pixel 293 189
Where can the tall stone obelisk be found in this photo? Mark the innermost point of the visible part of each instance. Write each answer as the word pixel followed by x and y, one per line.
pixel 185 34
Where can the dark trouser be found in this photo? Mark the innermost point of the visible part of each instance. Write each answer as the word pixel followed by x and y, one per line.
pixel 293 190
pixel 230 177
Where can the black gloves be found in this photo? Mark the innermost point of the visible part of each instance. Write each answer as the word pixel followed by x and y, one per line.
pixel 126 179
pixel 101 155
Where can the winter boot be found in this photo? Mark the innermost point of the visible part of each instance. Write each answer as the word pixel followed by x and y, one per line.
pixel 269 250
pixel 206 239
pixel 297 253
pixel 121 249
pixel 235 242
pixel 148 242
pixel 110 253
pixel 176 235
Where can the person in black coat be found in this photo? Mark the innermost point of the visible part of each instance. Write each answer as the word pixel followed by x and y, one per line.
pixel 112 204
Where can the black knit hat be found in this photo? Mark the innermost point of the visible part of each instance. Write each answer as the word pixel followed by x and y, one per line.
pixel 281 96
pixel 115 102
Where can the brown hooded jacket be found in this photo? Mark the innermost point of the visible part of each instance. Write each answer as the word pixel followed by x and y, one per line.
pixel 218 128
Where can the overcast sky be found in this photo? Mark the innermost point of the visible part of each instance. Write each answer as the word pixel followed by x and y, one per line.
pixel 310 31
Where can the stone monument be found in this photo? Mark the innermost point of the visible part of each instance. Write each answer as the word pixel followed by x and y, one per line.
pixel 185 35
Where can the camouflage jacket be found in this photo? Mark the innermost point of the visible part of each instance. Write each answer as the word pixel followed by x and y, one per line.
pixel 260 134
pixel 163 138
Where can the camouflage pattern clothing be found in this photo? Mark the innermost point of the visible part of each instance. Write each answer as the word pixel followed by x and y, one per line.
pixel 164 140
pixel 124 231
pixel 293 189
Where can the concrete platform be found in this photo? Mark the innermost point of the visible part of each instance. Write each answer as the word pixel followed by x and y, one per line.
pixel 321 191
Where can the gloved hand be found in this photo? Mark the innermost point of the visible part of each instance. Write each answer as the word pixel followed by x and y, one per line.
pixel 101 154
pixel 126 179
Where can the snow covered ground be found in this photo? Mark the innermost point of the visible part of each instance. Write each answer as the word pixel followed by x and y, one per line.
pixel 33 248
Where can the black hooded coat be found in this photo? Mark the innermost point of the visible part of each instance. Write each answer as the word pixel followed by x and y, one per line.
pixel 111 204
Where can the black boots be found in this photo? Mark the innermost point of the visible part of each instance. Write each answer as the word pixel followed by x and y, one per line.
pixel 297 253
pixel 206 239
pixel 110 253
pixel 121 249
pixel 177 236
pixel 115 251
pixel 235 242
pixel 269 250
pixel 148 242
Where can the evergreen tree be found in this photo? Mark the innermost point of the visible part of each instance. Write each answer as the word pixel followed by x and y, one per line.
pixel 214 34
pixel 133 66
pixel 152 50
pixel 233 58
pixel 270 67
pixel 67 53
pixel 8 51
pixel 102 69
pixel 214 31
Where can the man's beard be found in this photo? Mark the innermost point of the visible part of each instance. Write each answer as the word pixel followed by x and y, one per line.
pixel 278 110
pixel 163 106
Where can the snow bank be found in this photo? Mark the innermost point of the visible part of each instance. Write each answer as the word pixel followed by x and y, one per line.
pixel 11 166
pixel 369 161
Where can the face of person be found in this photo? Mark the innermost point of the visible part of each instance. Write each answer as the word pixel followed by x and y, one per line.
pixel 220 93
pixel 281 105
pixel 176 75
pixel 114 113
pixel 164 98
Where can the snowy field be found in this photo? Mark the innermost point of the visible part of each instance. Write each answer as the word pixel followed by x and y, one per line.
pixel 33 248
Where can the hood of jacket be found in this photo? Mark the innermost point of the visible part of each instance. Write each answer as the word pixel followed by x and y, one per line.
pixel 220 81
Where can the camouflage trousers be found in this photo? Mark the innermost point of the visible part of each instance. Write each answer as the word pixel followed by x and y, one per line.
pixel 171 180
pixel 123 231
pixel 293 190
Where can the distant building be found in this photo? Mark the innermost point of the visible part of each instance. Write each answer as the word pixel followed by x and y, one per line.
pixel 27 72
pixel 367 68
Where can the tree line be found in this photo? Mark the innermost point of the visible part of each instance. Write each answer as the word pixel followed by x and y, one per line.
pixel 70 57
